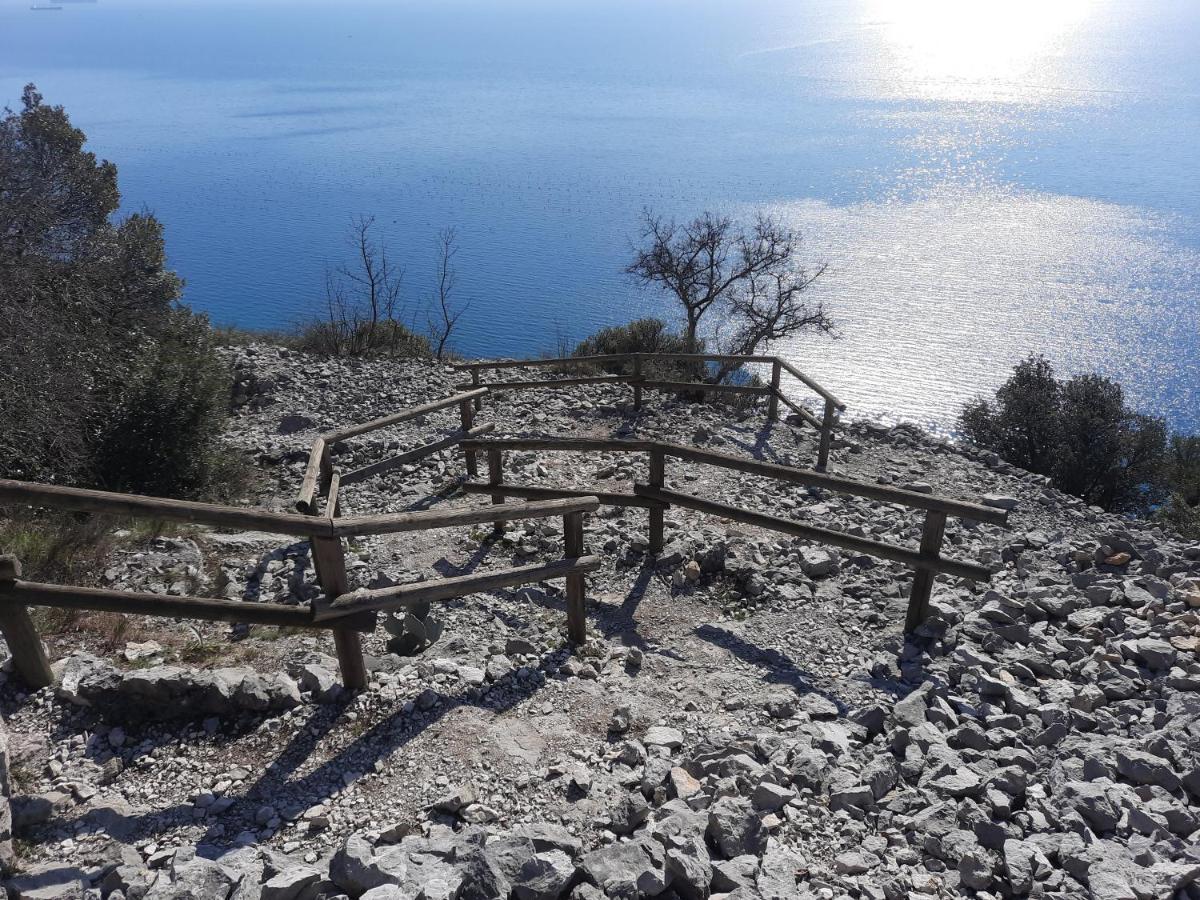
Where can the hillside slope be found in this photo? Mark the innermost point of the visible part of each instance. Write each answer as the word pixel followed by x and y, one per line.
pixel 746 720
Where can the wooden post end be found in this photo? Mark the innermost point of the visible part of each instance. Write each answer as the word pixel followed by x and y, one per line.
pixel 576 588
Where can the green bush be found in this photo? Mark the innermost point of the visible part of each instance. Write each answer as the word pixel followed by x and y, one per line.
pixel 162 434
pixel 105 379
pixel 1079 432
pixel 643 336
pixel 385 338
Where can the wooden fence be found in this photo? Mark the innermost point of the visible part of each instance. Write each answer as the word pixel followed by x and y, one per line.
pixel 346 613
pixel 349 613
pixel 825 423
pixel 926 560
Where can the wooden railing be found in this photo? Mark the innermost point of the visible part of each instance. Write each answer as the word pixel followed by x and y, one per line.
pixel 926 560
pixel 825 423
pixel 321 478
pixel 346 613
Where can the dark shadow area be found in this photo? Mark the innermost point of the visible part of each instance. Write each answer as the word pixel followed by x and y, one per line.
pixel 299 552
pixel 447 569
pixel 274 785
pixel 781 669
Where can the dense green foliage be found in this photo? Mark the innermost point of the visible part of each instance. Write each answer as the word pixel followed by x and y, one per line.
pixel 1081 433
pixel 642 336
pixel 105 379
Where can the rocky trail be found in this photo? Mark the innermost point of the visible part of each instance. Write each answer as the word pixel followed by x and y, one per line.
pixel 747 720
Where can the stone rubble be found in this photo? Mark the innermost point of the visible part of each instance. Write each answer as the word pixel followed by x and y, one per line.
pixel 747 720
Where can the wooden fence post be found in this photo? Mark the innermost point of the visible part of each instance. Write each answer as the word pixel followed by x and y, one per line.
pixel 931 546
pixel 468 416
pixel 495 478
pixel 475 384
pixel 329 560
pixel 24 643
pixel 326 473
pixel 637 387
pixel 576 611
pixel 657 477
pixel 773 405
pixel 826 435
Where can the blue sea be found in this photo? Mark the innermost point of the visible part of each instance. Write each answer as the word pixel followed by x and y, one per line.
pixel 985 179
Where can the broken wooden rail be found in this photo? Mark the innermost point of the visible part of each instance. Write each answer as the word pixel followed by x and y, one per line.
pixel 825 423
pixel 324 533
pixel 926 560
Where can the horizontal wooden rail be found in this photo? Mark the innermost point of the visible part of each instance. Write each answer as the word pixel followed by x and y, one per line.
pixel 400 459
pixel 959 508
pixel 606 498
pixel 800 410
pixel 115 504
pixel 384 599
pixel 586 445
pixel 536 363
pixel 911 558
pixel 612 357
pixel 394 523
pixel 704 387
pixel 499 386
pixel 32 593
pixel 796 373
pixel 342 434
pixel 825 423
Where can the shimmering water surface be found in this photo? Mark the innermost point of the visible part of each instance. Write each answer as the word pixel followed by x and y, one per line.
pixel 985 179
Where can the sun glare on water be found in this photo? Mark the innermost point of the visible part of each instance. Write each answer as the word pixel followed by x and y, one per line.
pixel 975 49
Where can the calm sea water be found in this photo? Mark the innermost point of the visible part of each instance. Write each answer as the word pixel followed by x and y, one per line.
pixel 986 179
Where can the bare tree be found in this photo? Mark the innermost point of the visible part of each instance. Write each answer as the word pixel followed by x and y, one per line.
pixel 444 315
pixel 363 299
pixel 751 275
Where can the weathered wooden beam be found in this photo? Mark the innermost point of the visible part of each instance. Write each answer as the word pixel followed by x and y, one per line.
pixel 24 643
pixel 827 424
pixel 393 523
pixel 773 406
pixel 704 387
pixel 478 401
pixel 931 547
pixel 586 445
pixel 401 459
pixel 658 467
pixel 329 561
pixel 342 434
pixel 335 490
pixel 306 499
pixel 811 384
pixel 959 508
pixel 205 609
pixel 800 411
pixel 466 413
pixel 530 492
pixel 910 558
pixel 391 598
pixel 540 363
pixel 114 504
pixel 499 386
pixel 576 588
pixel 711 357
pixel 495 479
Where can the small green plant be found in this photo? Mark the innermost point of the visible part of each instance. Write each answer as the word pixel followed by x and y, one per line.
pixel 413 631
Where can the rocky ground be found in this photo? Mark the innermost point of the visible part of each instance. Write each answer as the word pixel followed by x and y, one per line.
pixel 746 721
